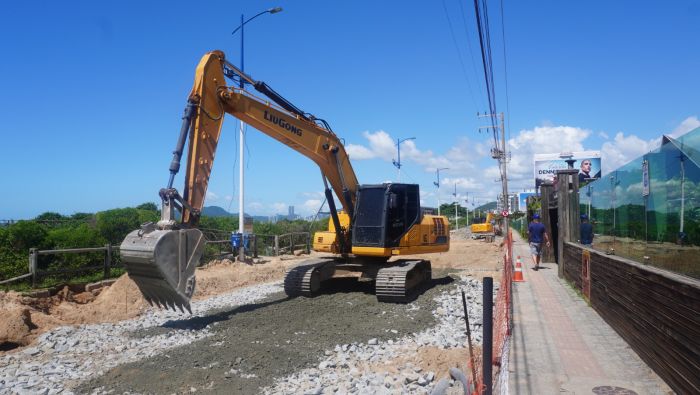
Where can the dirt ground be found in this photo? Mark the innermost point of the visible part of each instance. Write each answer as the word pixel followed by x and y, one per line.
pixel 277 321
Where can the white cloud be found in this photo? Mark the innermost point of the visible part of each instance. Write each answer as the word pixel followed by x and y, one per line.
pixel 461 158
pixel 279 208
pixel 310 207
pixel 211 197
pixel 381 146
pixel 545 139
pixel 254 207
pixel 358 152
pixel 604 135
pixel 623 149
pixel 686 126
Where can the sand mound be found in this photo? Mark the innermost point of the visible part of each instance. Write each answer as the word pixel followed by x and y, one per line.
pixel 15 321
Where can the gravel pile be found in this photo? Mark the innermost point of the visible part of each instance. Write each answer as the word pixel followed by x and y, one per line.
pixel 65 357
pixel 352 368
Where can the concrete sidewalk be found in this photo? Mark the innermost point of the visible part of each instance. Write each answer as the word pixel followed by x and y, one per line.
pixel 560 345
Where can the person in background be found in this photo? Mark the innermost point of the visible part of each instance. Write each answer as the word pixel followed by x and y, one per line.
pixel 586 231
pixel 537 234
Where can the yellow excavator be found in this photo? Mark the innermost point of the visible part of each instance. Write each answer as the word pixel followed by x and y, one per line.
pixel 376 223
pixel 484 229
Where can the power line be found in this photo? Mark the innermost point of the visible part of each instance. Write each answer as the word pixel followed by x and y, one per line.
pixel 459 54
pixel 469 44
pixel 486 61
pixel 505 66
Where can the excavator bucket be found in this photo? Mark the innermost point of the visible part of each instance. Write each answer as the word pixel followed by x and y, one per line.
pixel 162 263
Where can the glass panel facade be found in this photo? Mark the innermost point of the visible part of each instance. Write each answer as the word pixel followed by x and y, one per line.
pixel 653 220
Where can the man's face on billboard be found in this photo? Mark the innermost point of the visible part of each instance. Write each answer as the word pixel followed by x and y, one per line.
pixel 586 166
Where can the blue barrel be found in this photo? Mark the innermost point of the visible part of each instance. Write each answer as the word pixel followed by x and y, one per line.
pixel 236 240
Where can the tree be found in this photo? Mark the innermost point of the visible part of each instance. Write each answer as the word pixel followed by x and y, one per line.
pixel 150 206
pixel 50 216
pixel 114 225
pixel 14 262
pixel 27 234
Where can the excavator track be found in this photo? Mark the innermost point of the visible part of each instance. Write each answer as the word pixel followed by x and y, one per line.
pixel 305 279
pixel 400 282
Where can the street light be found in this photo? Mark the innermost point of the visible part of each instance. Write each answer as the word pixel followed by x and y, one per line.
pixel 437 184
pixel 467 206
pixel 456 208
pixel 397 163
pixel 241 135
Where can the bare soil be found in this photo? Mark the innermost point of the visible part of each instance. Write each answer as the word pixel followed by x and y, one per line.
pixel 269 339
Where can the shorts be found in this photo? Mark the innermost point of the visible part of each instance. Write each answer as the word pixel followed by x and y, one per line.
pixel 536 248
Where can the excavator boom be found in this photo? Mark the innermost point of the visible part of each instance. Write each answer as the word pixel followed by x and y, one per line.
pixel 377 222
pixel 161 258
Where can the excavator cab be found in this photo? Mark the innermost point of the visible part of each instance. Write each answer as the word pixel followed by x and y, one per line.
pixel 384 213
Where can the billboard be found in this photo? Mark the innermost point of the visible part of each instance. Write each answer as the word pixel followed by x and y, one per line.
pixel 586 162
pixel 522 200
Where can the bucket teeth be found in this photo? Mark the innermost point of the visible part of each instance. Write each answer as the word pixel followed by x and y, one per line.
pixel 162 263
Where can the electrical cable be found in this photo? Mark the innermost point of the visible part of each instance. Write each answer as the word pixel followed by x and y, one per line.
pixel 459 54
pixel 484 37
pixel 469 44
pixel 505 66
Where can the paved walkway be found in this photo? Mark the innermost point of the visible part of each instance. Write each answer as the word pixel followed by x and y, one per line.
pixel 562 346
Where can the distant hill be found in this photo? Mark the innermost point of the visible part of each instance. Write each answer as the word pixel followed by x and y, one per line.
pixel 486 207
pixel 216 211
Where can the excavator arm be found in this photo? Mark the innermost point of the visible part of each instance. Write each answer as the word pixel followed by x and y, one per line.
pixel 213 98
pixel 161 258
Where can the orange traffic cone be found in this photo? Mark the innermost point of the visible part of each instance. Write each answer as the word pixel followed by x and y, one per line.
pixel 518 273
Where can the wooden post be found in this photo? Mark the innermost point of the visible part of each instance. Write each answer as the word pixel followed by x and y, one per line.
pixel 277 245
pixel 291 243
pixel 108 260
pixel 308 243
pixel 548 202
pixel 33 264
pixel 255 245
pixel 568 209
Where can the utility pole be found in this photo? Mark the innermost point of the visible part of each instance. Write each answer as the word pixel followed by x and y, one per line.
pixel 437 184
pixel 241 135
pixel 501 155
pixel 456 208
pixel 467 206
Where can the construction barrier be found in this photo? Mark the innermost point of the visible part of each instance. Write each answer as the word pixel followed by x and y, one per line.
pixel 503 318
pixel 518 274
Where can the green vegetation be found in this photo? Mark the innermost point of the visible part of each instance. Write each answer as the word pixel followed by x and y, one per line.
pixel 53 231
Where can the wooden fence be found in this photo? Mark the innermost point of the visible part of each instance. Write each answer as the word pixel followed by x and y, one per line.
pixel 657 312
pixel 269 244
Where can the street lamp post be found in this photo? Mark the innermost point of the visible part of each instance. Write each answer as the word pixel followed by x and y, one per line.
pixel 397 163
pixel 456 208
pixel 241 135
pixel 467 206
pixel 437 184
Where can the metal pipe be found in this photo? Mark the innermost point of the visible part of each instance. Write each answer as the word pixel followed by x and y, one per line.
pixel 469 337
pixel 487 347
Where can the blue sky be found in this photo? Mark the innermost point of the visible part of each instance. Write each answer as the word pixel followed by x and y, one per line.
pixel 94 92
